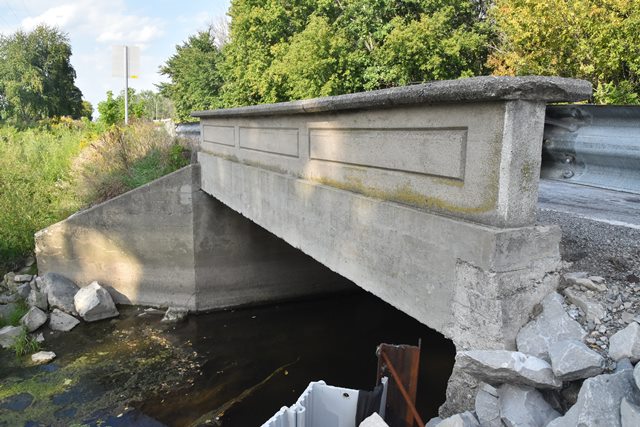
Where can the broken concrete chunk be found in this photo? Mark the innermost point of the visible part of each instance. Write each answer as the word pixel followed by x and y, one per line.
pixel 553 324
pixel 503 366
pixel 593 310
pixel 626 343
pixel 33 319
pixel 597 279
pixel 433 422
pixel 373 420
pixel 42 357
pixel 9 335
pixel 629 414
pixel 487 406
pixel 465 419
pixel 60 292
pixel 573 360
pixel 23 290
pixel 524 406
pixel 61 321
pixel 175 315
pixel 38 299
pixel 599 401
pixel 22 278
pixel 94 302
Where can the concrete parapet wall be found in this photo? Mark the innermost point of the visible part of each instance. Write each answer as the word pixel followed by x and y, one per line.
pixel 423 195
pixel 169 244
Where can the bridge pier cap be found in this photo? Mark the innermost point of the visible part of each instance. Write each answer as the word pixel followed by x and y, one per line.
pixel 424 195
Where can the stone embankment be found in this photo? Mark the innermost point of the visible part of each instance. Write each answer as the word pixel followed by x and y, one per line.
pixel 574 364
pixel 53 300
pixel 57 302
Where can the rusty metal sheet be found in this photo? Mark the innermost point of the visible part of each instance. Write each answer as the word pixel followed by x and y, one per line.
pixel 401 364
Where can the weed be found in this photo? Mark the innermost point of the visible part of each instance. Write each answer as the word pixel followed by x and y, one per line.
pixel 13 319
pixel 25 344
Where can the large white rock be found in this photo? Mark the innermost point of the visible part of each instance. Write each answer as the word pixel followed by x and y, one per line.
pixel 524 406
pixel 573 360
pixel 599 401
pixel 61 321
pixel 487 406
pixel 503 366
pixel 626 343
pixel 175 315
pixel 38 299
pixel 553 324
pixel 60 292
pixel 373 420
pixel 593 310
pixel 93 302
pixel 636 375
pixel 43 357
pixel 465 419
pixel 629 414
pixel 33 319
pixel 8 335
pixel 23 290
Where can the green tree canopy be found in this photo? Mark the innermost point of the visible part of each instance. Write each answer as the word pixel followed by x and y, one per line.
pixel 305 48
pixel 194 71
pixel 143 105
pixel 37 79
pixel 597 40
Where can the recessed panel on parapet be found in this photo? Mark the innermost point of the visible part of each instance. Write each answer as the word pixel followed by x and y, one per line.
pixel 438 152
pixel 222 135
pixel 281 141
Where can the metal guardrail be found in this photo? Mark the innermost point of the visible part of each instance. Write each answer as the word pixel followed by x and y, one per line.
pixel 593 145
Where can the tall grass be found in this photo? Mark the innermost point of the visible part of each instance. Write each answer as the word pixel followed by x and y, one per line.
pixel 49 172
pixel 35 183
pixel 125 158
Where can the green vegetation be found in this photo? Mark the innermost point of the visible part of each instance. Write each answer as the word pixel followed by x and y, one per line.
pixel 36 77
pixel 195 76
pixel 52 170
pixel 280 51
pixel 596 40
pixel 25 344
pixel 144 105
pixel 13 319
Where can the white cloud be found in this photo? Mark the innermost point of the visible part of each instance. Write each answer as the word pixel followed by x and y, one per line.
pixel 105 21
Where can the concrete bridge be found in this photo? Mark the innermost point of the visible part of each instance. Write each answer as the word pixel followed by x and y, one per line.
pixel 423 195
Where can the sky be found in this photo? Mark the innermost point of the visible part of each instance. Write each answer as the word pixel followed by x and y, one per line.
pixel 94 26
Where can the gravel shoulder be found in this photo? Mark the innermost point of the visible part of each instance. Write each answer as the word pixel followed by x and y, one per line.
pixel 608 251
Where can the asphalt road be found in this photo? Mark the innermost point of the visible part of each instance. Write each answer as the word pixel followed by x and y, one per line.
pixel 596 204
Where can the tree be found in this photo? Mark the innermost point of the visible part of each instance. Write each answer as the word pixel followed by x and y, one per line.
pixel 147 105
pixel 194 71
pixel 36 76
pixel 597 40
pixel 305 48
pixel 87 110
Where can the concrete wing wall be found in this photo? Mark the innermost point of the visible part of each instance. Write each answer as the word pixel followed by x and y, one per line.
pixel 169 244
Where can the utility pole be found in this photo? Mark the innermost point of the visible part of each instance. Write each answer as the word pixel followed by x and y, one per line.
pixel 126 85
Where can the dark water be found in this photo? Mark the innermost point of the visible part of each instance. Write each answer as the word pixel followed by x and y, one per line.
pixel 332 339
pixel 227 368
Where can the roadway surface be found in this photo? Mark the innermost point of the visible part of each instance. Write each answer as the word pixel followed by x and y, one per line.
pixel 596 204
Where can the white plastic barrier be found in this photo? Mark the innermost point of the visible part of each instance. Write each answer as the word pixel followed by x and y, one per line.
pixel 322 405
